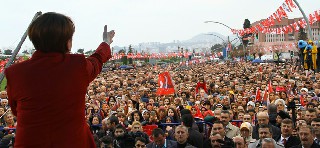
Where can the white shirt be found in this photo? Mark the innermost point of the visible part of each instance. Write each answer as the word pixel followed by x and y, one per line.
pixel 282 138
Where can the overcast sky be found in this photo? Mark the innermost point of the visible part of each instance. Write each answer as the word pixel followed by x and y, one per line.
pixel 137 21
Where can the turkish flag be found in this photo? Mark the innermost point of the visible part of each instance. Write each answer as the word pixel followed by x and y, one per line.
pixel 265 99
pixel 270 90
pixel 165 84
pixel 258 95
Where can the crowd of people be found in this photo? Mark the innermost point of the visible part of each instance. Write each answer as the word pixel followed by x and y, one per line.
pixel 242 105
pixel 214 104
pixel 121 103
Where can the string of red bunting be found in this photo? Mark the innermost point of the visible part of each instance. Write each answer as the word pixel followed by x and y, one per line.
pixel 263 27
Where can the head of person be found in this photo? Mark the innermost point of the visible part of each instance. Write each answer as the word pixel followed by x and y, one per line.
pixel 264 131
pixel 112 122
pixel 315 123
pixel 52 32
pixel 95 120
pixel 239 142
pixel 286 127
pixel 140 142
pixel 225 117
pixel 268 143
pixel 136 116
pixel 3 95
pixel 136 126
pixel 106 142
pixel 4 102
pixel 263 118
pixel 280 104
pixel 158 137
pixel 218 127
pixel 247 118
pixel 9 119
pixel 245 129
pixel 187 120
pixel 240 115
pixel 181 134
pixel 311 113
pixel 119 131
pixel 216 139
pixel 306 134
pixel 217 113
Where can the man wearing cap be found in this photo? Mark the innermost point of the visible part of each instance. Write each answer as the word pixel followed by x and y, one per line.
pixel 246 132
pixel 286 138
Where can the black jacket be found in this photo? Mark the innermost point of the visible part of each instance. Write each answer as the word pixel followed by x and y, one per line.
pixel 292 141
pixel 275 132
pixel 314 145
pixel 195 138
pixel 228 143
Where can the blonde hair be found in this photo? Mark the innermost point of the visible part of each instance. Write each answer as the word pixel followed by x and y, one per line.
pixel 136 123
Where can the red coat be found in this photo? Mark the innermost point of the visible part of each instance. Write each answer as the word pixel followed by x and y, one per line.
pixel 47 95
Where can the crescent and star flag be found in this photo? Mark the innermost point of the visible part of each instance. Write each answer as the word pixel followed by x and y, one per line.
pixel 165 84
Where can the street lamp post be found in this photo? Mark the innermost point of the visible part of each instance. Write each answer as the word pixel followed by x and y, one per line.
pixel 244 48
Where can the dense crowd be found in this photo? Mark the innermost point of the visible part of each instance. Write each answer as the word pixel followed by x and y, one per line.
pixel 215 104
pixel 242 105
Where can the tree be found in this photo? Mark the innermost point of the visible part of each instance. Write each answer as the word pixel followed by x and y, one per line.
pixel 8 52
pixel 130 51
pixel 89 52
pixel 121 51
pixel 216 47
pixel 25 52
pixel 81 51
pixel 302 35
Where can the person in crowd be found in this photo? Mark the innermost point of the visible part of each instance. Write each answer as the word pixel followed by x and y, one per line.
pixel 286 138
pixel 195 137
pixel 239 142
pixel 231 130
pixel 121 138
pixel 246 132
pixel 159 140
pixel 315 123
pixel 59 81
pixel 137 131
pixel 219 128
pixel 140 142
pixel 263 118
pixel 265 131
pixel 311 114
pixel 307 135
pixel 181 135
pixel 106 142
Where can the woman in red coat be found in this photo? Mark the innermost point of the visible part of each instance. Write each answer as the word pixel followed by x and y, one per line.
pixel 47 92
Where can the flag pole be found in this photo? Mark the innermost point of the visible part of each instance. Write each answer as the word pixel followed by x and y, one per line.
pixel 305 18
pixel 15 52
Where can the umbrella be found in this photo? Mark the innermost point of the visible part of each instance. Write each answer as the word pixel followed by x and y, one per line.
pixel 257 61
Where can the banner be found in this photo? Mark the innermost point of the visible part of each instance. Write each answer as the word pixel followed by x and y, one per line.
pixel 165 83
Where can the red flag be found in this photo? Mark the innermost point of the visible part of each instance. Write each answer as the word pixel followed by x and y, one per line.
pixel 316 14
pixel 302 100
pixel 270 90
pixel 165 84
pixel 258 95
pixel 266 100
